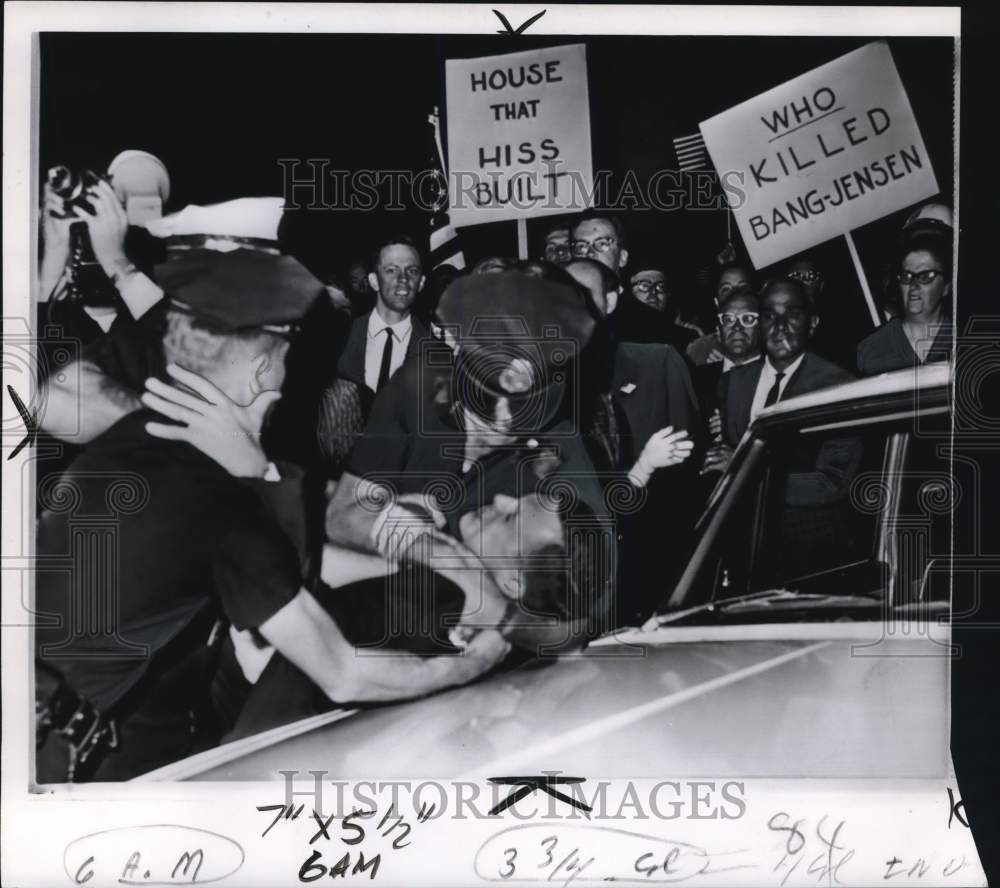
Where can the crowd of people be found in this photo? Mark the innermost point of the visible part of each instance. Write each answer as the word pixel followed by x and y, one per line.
pixel 270 477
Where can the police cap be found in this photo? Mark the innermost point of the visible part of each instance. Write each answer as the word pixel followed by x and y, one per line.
pixel 241 289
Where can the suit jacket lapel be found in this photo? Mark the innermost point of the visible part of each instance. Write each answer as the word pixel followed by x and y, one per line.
pixel 352 360
pixel 798 384
pixel 418 331
pixel 744 398
pixel 623 370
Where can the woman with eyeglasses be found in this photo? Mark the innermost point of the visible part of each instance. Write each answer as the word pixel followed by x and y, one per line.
pixel 921 288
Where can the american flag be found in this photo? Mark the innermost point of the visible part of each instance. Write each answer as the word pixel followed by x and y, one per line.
pixel 445 246
pixel 691 152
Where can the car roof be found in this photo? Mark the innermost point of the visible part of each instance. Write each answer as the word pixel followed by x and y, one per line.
pixel 909 380
pixel 671 704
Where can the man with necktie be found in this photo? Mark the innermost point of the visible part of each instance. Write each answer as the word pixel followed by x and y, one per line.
pixel 818 477
pixel 380 340
pixel 377 345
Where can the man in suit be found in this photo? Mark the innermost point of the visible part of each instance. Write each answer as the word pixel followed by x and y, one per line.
pixel 649 313
pixel 649 382
pixel 383 338
pixel 814 523
pixel 377 344
pixel 739 339
pixel 647 420
pixel 730 278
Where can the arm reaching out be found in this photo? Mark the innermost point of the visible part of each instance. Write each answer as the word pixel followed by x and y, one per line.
pixel 85 403
pixel 307 636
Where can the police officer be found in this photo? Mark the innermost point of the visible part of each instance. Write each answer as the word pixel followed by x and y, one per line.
pixel 148 542
pixel 454 429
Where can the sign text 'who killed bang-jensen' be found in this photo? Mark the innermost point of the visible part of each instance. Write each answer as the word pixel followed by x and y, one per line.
pixel 822 154
pixel 518 125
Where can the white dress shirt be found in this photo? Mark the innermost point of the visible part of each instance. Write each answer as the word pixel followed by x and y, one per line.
pixel 376 345
pixel 767 377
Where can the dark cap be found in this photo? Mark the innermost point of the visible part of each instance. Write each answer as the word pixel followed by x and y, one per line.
pixel 518 336
pixel 514 305
pixel 241 289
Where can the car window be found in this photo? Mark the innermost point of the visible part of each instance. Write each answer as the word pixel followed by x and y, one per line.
pixel 921 530
pixel 806 519
pixel 821 503
pixel 859 515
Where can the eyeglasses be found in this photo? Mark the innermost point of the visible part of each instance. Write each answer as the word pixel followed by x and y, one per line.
pixel 746 319
pixel 645 287
pixel 921 277
pixel 557 251
pixel 806 277
pixel 599 245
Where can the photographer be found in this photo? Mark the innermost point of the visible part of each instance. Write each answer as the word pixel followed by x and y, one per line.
pixel 85 382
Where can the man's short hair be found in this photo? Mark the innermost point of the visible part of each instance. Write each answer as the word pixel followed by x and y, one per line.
pixel 747 295
pixel 646 265
pixel 579 591
pixel 590 215
pixel 403 239
pixel 202 347
pixel 789 284
pixel 501 263
pixel 732 266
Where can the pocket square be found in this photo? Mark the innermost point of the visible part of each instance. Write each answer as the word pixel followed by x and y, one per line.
pixel 628 388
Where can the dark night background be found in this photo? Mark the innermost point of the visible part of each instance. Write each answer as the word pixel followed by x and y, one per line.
pixel 220 110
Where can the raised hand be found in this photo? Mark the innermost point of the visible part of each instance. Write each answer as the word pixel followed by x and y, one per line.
pixel 664 448
pixel 220 428
pixel 55 241
pixel 107 224
pixel 717 459
pixel 404 521
pixel 715 427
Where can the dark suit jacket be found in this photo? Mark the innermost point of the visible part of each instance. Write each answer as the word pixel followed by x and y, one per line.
pixel 634 321
pixel 660 392
pixel 815 477
pixel 707 378
pixel 352 359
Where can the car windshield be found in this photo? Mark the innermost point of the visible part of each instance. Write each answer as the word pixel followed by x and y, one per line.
pixel 819 523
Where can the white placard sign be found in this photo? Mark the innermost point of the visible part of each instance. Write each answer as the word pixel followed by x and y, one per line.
pixel 820 155
pixel 518 135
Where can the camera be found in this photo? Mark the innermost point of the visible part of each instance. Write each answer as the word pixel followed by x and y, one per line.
pixel 88 284
pixel 72 188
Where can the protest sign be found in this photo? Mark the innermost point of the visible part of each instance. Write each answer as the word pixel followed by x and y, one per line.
pixel 821 154
pixel 518 135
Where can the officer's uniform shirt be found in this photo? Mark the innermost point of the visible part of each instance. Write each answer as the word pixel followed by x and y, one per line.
pixel 413 444
pixel 183 541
